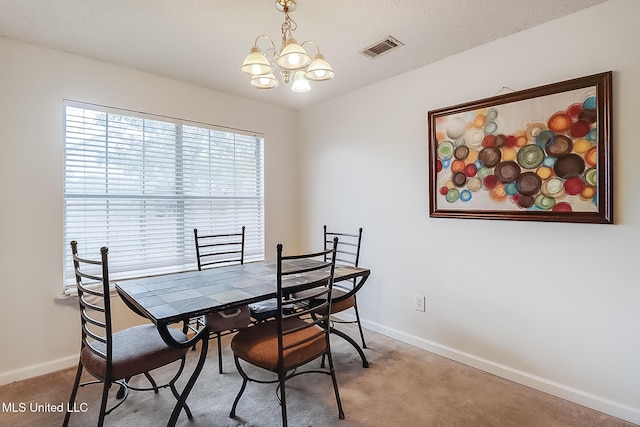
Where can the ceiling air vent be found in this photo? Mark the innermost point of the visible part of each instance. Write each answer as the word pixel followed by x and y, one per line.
pixel 381 47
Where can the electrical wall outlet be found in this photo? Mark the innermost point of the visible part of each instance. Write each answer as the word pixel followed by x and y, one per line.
pixel 420 303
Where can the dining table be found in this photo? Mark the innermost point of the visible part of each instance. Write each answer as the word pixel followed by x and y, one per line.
pixel 173 299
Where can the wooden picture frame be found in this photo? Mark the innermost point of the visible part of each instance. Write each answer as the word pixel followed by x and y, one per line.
pixel 541 154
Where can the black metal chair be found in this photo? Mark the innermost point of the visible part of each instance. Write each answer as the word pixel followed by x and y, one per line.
pixel 344 293
pixel 215 250
pixel 347 253
pixel 291 340
pixel 116 357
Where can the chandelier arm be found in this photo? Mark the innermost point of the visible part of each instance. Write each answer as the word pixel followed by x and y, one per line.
pixel 262 36
pixel 270 52
pixel 313 43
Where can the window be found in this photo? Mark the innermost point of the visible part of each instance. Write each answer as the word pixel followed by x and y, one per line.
pixel 140 184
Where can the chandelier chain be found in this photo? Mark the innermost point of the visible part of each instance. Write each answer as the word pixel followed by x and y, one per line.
pixel 288 27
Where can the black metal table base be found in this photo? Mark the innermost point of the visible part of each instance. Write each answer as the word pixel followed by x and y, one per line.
pixel 202 335
pixel 365 363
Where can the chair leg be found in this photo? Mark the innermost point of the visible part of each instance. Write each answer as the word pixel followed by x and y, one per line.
pixel 74 391
pixel 218 336
pixel 335 386
pixel 103 406
pixel 122 391
pixel 355 308
pixel 283 397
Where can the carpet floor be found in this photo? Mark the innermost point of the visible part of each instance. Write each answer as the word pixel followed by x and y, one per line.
pixel 404 386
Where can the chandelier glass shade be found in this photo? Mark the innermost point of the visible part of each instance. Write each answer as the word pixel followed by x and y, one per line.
pixel 292 62
pixel 300 83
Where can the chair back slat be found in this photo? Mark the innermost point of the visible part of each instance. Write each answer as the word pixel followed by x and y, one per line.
pixel 222 248
pixel 88 305
pixel 94 337
pixel 93 321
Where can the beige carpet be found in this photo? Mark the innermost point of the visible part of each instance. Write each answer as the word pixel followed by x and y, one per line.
pixel 404 386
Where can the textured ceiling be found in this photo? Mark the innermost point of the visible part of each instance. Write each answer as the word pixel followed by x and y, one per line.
pixel 205 41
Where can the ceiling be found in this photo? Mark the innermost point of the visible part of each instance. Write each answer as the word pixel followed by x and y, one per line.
pixel 204 42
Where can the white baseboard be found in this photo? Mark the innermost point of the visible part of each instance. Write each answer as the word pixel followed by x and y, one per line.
pixel 37 370
pixel 599 403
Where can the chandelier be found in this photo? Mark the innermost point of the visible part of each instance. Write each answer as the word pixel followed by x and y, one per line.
pixel 292 61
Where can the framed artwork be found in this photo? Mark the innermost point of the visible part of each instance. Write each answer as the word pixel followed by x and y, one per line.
pixel 541 154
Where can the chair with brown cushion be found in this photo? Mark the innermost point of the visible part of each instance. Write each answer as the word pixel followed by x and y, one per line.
pixel 344 292
pixel 115 357
pixel 215 250
pixel 347 253
pixel 292 339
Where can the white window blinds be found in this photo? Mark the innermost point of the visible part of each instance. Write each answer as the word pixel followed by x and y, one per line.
pixel 140 184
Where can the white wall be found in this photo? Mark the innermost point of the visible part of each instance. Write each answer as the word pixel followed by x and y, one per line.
pixel 39 332
pixel 563 317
